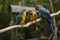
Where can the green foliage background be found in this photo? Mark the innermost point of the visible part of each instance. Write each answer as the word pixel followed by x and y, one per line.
pixel 5 16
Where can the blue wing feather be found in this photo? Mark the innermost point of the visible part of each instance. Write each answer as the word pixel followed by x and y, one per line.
pixel 44 9
pixel 51 27
pixel 46 15
pixel 18 19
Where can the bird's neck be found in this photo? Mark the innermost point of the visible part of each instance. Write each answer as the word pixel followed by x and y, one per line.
pixel 24 14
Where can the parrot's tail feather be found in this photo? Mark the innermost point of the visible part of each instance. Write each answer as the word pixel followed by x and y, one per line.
pixel 55 37
pixel 51 27
pixel 53 31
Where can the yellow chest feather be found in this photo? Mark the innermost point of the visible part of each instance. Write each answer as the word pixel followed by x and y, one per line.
pixel 32 17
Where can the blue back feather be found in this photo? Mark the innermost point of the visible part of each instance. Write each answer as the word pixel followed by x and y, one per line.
pixel 18 19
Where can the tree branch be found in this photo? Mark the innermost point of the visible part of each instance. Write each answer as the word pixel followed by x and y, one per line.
pixel 27 24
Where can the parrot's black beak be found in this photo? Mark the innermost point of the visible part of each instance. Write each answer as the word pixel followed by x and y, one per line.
pixel 27 13
pixel 30 13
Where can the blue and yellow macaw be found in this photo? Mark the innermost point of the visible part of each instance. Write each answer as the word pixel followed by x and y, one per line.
pixel 20 18
pixel 44 13
pixel 33 17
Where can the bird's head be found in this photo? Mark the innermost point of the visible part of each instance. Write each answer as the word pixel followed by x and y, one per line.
pixel 37 7
pixel 24 13
pixel 21 11
pixel 32 15
pixel 31 12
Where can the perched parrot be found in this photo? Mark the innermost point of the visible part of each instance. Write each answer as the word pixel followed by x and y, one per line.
pixel 33 17
pixel 44 13
pixel 20 18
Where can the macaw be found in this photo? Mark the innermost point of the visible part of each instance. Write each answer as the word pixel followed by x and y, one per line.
pixel 20 18
pixel 44 13
pixel 33 17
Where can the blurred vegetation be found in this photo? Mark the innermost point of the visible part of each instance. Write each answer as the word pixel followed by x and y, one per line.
pixel 5 16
